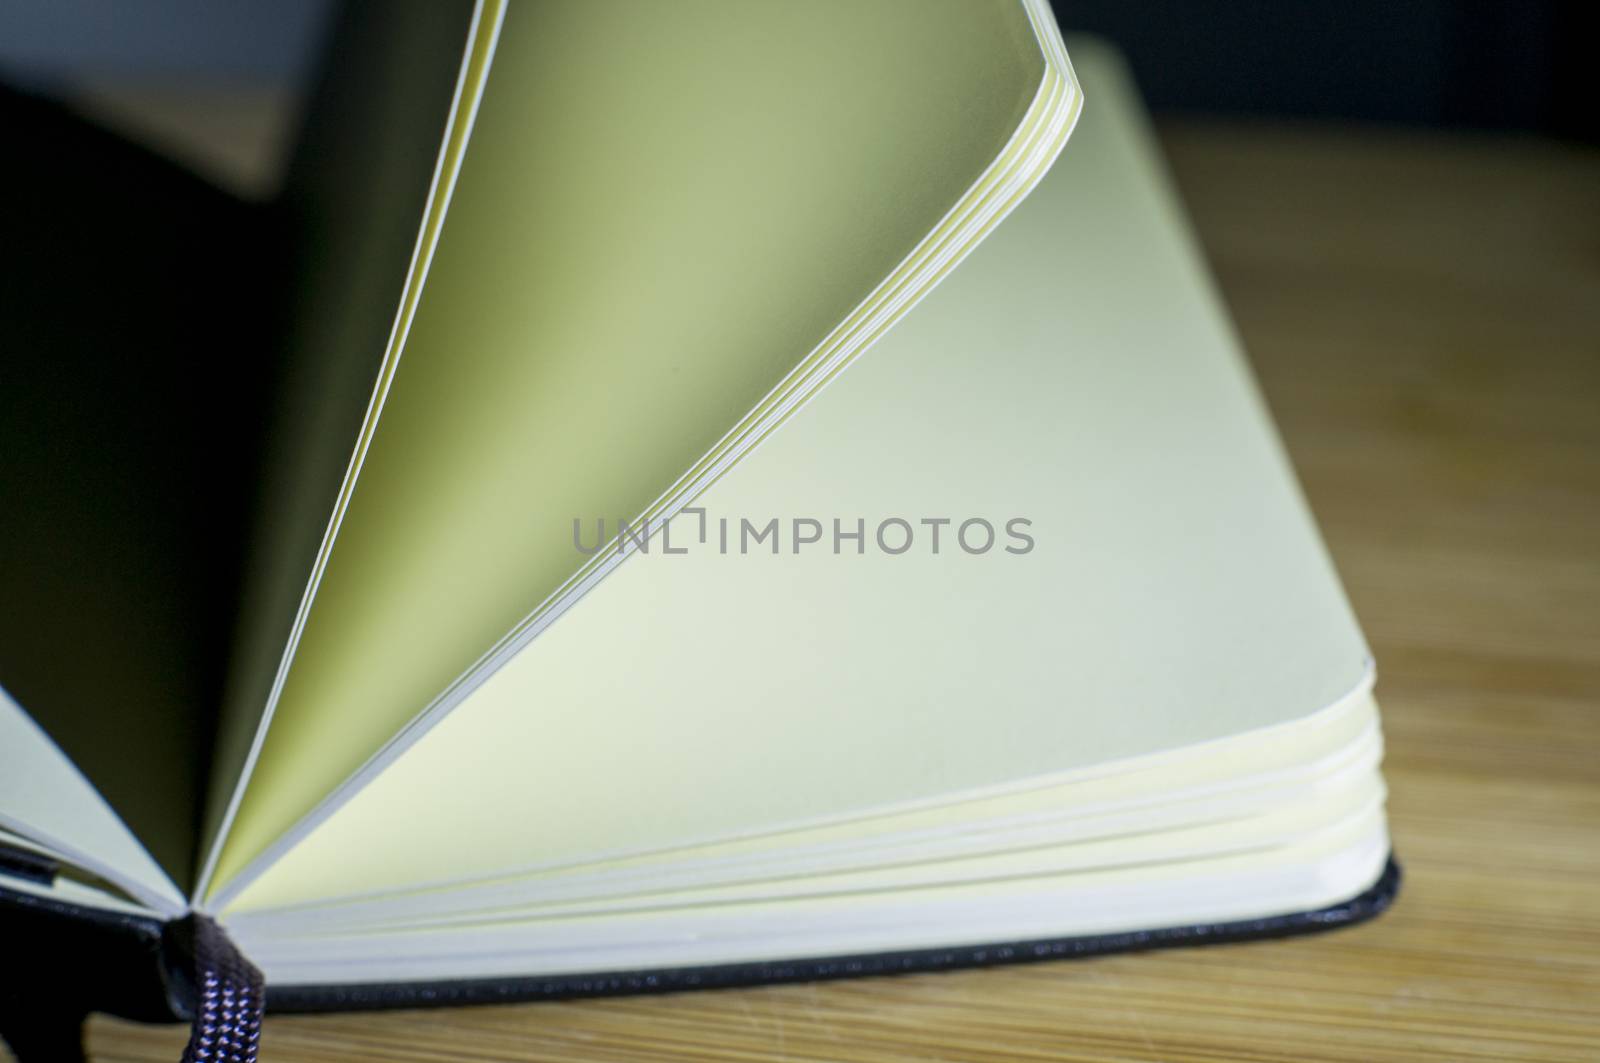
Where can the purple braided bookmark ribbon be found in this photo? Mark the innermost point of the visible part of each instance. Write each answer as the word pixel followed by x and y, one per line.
pixel 230 996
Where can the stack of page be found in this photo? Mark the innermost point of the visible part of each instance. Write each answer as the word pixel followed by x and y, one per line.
pixel 674 494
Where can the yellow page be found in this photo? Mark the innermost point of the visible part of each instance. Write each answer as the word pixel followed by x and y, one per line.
pixel 662 209
pixel 363 201
pixel 1078 372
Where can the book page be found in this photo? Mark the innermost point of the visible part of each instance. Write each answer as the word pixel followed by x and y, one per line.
pixel 1168 589
pixel 662 209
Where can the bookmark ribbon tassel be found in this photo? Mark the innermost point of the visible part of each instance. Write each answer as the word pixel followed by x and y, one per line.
pixel 230 996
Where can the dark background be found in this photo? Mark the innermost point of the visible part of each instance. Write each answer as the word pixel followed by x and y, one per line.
pixel 1447 63
pixel 1492 64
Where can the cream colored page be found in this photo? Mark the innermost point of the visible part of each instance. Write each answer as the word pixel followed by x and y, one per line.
pixel 1218 780
pixel 1324 869
pixel 43 797
pixel 1288 823
pixel 1216 784
pixel 663 207
pixel 1076 371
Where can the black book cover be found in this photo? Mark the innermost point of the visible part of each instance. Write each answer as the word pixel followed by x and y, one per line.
pixel 66 961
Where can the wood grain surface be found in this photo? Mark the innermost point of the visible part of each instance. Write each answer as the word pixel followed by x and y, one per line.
pixel 1424 316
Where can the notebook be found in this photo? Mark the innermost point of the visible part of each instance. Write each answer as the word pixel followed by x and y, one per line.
pixel 668 496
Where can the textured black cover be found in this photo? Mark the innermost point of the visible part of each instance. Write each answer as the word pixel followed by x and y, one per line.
pixel 59 962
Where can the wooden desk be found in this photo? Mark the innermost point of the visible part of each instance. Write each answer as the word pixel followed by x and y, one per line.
pixel 1425 319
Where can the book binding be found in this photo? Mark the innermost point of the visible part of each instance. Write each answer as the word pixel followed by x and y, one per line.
pixel 74 961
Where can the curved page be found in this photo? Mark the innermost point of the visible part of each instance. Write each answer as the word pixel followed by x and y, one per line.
pixel 670 219
pixel 1076 372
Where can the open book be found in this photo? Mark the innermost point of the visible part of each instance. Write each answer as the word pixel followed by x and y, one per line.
pixel 611 525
